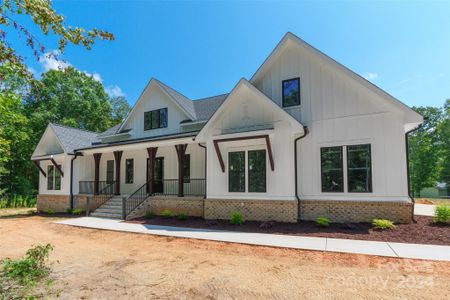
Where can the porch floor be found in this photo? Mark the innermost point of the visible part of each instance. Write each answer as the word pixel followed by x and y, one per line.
pixel 402 250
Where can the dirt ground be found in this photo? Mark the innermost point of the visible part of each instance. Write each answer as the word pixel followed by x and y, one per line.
pixel 94 264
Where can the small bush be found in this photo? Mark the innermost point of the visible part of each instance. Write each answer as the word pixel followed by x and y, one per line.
pixel 77 211
pixel 51 211
pixel 442 214
pixel 167 213
pixel 383 224
pixel 237 218
pixel 69 210
pixel 148 215
pixel 183 216
pixel 323 222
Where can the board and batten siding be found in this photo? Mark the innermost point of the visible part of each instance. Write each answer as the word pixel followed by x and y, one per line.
pixel 338 110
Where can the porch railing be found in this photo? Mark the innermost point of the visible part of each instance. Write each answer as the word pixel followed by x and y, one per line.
pixel 134 200
pixel 88 187
pixel 95 201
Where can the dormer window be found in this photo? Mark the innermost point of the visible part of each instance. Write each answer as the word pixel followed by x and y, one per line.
pixel 291 92
pixel 155 119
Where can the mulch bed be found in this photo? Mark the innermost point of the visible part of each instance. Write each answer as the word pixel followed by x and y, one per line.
pixel 422 232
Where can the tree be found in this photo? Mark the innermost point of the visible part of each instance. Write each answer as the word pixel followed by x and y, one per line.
pixel 68 97
pixel 444 136
pixel 49 21
pixel 120 108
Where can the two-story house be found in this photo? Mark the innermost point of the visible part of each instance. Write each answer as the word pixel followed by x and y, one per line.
pixel 305 137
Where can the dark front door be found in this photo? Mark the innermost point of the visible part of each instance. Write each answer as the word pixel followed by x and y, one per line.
pixel 158 175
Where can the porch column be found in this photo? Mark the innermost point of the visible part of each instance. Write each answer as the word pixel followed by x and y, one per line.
pixel 181 150
pixel 117 157
pixel 97 157
pixel 151 167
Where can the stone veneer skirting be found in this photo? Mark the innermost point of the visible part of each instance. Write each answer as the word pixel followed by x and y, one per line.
pixel 57 203
pixel 252 210
pixel 191 206
pixel 355 211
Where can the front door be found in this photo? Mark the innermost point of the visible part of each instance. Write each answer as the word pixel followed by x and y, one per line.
pixel 158 175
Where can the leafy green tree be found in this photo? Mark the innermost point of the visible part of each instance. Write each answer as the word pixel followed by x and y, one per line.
pixel 444 136
pixel 68 97
pixel 120 108
pixel 49 21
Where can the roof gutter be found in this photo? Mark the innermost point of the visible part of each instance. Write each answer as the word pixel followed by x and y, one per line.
pixel 407 168
pixel 305 132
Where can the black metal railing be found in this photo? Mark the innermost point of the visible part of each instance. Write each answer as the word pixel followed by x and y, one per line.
pixel 136 199
pixel 169 187
pixel 88 187
pixel 101 198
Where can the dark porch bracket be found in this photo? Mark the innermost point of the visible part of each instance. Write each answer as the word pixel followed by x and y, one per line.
pixel 117 158
pixel 97 157
pixel 264 136
pixel 181 150
pixel 57 167
pixel 38 165
pixel 151 167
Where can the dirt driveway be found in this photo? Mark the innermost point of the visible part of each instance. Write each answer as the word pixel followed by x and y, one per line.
pixel 94 264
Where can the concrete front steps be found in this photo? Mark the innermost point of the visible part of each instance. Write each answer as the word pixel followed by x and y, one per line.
pixel 111 209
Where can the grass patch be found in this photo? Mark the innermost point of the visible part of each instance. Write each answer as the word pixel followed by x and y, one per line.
pixel 17 201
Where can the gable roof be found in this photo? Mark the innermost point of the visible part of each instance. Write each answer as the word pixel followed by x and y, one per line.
pixel 291 39
pixel 205 107
pixel 245 83
pixel 73 138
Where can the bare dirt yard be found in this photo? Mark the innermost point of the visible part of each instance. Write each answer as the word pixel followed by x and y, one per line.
pixel 94 264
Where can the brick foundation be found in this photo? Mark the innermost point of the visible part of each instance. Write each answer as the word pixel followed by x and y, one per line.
pixel 355 211
pixel 80 201
pixel 253 210
pixel 191 206
pixel 57 203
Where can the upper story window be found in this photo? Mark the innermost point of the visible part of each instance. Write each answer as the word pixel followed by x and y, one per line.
pixel 291 92
pixel 155 119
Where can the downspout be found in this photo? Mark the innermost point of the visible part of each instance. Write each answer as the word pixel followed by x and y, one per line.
pixel 305 132
pixel 205 167
pixel 71 180
pixel 407 169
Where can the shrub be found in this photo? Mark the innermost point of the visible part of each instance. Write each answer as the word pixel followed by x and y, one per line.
pixel 237 218
pixel 383 224
pixel 148 215
pixel 442 214
pixel 323 222
pixel 77 211
pixel 183 216
pixel 69 210
pixel 167 213
pixel 51 211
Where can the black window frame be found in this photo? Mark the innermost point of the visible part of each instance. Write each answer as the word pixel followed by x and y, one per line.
pixel 161 114
pixel 111 172
pixel 298 102
pixel 250 173
pixel 370 190
pixel 230 172
pixel 55 178
pixel 342 190
pixel 129 171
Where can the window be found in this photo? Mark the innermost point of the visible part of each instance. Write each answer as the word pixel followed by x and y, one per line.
pixel 291 92
pixel 332 169
pixel 155 119
pixel 359 169
pixel 358 164
pixel 187 168
pixel 129 170
pixel 53 178
pixel 257 171
pixel 236 171
pixel 109 171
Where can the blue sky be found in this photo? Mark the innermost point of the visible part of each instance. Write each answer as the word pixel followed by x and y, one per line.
pixel 204 48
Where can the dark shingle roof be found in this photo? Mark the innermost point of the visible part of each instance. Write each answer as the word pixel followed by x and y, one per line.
pixel 110 131
pixel 73 138
pixel 206 107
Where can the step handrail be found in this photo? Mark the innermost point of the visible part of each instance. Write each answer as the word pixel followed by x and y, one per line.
pixel 94 202
pixel 136 198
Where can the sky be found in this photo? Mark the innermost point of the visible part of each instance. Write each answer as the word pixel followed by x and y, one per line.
pixel 203 48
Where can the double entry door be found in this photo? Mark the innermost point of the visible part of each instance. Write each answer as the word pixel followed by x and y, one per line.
pixel 158 176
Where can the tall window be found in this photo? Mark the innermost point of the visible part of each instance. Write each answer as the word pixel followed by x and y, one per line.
pixel 359 169
pixel 257 171
pixel 291 92
pixel 155 119
pixel 187 168
pixel 129 170
pixel 53 178
pixel 236 171
pixel 358 164
pixel 109 171
pixel 332 169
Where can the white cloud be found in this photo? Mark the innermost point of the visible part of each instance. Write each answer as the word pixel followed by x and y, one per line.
pixel 371 76
pixel 114 91
pixel 49 61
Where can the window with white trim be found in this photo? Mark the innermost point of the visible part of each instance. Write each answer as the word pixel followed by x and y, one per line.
pixel 53 178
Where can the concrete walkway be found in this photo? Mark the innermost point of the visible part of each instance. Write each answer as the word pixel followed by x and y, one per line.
pixel 424 209
pixel 418 251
